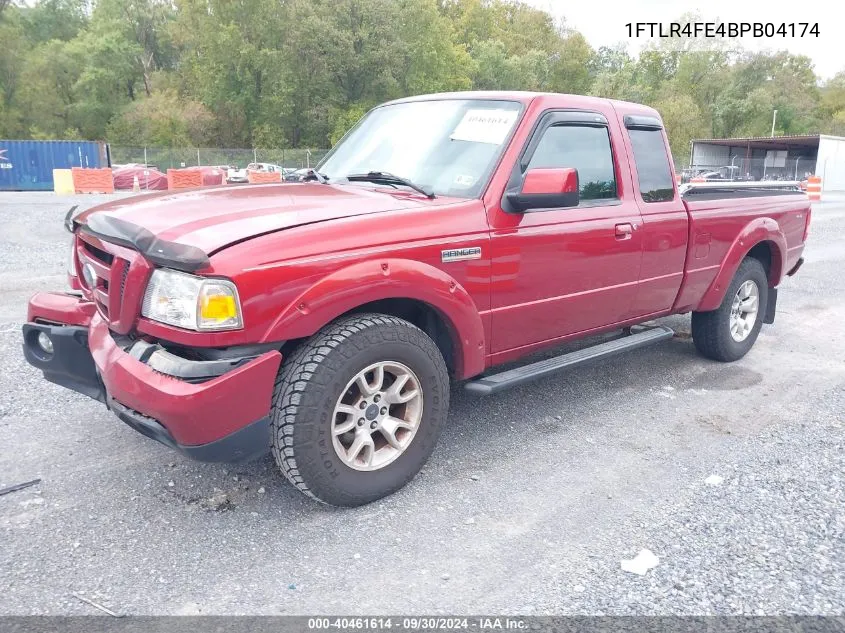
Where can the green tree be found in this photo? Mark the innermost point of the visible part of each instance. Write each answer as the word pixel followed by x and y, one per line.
pixel 570 66
pixel 165 119
pixel 616 75
pixel 299 73
pixel 14 52
pixel 683 121
pixel 107 78
pixel 494 69
pixel 760 83
pixel 55 20
pixel 229 60
pixel 47 93
pixel 144 23
pixel 833 105
pixel 344 121
pixel 429 60
pixel 517 25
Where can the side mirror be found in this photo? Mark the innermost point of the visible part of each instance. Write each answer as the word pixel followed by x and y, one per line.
pixel 546 188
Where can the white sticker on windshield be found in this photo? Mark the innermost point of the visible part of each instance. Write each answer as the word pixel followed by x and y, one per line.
pixel 485 126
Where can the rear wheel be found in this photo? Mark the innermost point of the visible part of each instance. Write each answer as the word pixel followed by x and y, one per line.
pixel 357 409
pixel 727 333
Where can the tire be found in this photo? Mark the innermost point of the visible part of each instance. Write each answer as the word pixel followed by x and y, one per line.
pixel 322 371
pixel 711 331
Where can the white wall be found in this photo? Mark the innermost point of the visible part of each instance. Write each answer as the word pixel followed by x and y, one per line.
pixel 706 154
pixel 830 164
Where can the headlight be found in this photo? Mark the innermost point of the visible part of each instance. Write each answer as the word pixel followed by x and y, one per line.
pixel 190 302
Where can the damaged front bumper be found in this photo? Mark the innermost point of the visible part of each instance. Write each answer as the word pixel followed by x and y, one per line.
pixel 211 408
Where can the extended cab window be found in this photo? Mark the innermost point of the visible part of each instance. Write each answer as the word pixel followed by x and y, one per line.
pixel 652 165
pixel 587 149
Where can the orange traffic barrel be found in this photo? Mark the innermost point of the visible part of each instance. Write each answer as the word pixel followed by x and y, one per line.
pixel 814 188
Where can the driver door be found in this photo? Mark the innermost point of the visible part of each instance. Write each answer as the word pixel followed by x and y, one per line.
pixel 560 271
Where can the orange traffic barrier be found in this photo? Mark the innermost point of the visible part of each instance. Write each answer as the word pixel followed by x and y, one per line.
pixel 183 178
pixel 260 177
pixel 814 188
pixel 92 180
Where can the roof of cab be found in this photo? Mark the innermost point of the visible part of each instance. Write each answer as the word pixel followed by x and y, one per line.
pixel 526 97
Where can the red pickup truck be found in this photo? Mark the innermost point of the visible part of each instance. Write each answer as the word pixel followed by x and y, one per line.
pixel 443 235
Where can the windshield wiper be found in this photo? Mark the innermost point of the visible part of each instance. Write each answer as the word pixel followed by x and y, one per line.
pixel 390 179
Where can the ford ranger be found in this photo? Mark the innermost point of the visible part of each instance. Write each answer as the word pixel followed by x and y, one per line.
pixel 443 236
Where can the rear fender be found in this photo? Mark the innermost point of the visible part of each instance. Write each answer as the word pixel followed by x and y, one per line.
pixel 756 231
pixel 365 282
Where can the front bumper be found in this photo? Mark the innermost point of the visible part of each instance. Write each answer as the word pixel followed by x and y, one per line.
pixel 219 418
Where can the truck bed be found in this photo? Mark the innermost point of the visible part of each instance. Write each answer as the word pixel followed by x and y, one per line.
pixel 751 189
pixel 722 220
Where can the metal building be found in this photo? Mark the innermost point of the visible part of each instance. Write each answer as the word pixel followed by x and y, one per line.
pixel 771 158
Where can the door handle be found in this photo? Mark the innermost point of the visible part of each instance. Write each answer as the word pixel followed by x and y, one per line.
pixel 624 231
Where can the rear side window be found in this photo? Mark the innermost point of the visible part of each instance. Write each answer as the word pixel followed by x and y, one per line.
pixel 587 149
pixel 656 180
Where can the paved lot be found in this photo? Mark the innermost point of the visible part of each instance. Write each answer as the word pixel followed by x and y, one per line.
pixel 528 505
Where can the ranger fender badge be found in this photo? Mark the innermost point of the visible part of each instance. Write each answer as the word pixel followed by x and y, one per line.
pixel 460 254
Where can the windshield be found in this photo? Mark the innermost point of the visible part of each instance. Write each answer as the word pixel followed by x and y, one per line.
pixel 448 146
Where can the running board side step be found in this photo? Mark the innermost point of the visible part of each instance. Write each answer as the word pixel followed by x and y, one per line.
pixel 495 383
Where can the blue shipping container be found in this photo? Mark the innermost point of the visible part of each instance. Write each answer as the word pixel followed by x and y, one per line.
pixel 29 165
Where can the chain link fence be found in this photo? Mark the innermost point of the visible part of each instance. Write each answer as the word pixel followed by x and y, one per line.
pixel 753 169
pixel 164 158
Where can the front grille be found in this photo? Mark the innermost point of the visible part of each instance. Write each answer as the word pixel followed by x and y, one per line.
pixel 123 281
pixel 98 253
pixel 102 306
pixel 110 284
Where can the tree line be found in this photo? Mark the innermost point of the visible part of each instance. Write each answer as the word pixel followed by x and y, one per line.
pixel 299 73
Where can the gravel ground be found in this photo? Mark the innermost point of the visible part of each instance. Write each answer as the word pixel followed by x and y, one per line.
pixel 528 505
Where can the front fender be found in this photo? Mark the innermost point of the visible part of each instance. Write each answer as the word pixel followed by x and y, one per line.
pixel 364 282
pixel 757 231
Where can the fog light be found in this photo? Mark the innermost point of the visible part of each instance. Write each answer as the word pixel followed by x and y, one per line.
pixel 45 343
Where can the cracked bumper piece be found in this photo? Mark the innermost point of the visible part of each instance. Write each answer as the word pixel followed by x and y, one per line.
pixel 247 443
pixel 795 268
pixel 222 418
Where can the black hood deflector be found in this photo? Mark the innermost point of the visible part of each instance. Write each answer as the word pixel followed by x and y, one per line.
pixel 160 252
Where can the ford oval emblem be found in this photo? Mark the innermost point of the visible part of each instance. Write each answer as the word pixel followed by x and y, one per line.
pixel 89 273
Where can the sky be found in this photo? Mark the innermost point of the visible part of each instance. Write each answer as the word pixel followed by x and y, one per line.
pixel 603 22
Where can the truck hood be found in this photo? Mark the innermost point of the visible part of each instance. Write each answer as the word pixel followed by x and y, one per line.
pixel 211 219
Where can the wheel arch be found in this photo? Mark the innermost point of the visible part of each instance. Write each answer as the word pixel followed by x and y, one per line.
pixel 761 239
pixel 417 292
pixel 770 256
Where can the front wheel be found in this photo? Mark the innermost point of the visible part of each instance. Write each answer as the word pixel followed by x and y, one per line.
pixel 727 333
pixel 358 409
